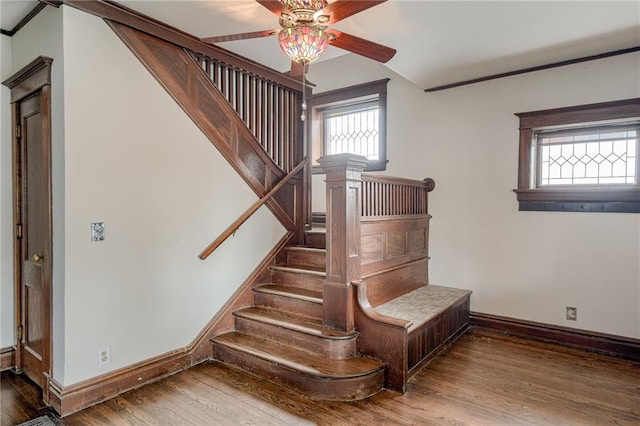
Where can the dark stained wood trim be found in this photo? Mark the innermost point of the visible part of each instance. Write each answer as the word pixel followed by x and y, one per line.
pixel 185 81
pixel 536 68
pixel 602 343
pixel 69 399
pixel 231 229
pixel 31 78
pixel 28 17
pixel 601 198
pixel 115 12
pixel 612 110
pixel 7 358
pixel 35 76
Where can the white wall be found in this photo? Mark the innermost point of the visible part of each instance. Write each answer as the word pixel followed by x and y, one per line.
pixel 7 329
pixel 527 265
pixel 135 161
pixel 125 154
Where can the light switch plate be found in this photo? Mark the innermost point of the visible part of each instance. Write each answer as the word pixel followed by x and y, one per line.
pixel 97 231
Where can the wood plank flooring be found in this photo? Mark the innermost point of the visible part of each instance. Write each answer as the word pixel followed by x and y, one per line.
pixel 484 378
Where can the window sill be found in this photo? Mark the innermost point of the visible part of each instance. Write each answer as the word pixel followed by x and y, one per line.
pixel 373 166
pixel 618 199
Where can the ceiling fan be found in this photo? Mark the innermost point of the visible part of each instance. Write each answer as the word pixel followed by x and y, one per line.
pixel 303 33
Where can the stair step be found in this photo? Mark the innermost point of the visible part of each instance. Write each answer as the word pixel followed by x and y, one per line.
pixel 306 334
pixel 305 277
pixel 316 238
pixel 307 256
pixel 314 375
pixel 299 301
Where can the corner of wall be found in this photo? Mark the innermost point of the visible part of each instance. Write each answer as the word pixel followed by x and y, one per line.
pixel 7 327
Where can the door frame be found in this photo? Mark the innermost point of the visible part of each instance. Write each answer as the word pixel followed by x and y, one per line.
pixel 34 77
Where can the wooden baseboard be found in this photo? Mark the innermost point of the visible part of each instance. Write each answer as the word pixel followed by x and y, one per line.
pixel 7 358
pixel 70 399
pixel 607 344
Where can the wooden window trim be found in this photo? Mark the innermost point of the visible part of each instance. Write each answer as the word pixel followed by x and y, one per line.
pixel 611 198
pixel 345 96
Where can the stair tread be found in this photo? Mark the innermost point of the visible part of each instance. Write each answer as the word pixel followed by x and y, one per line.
pixel 307 249
pixel 299 360
pixel 294 292
pixel 301 269
pixel 289 321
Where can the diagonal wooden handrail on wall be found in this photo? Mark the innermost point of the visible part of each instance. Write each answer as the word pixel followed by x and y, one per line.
pixel 250 211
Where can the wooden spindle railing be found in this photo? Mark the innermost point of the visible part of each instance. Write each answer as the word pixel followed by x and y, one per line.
pixel 270 110
pixel 392 196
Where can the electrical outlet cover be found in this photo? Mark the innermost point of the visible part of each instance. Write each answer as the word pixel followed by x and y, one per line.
pixel 104 356
pixel 572 313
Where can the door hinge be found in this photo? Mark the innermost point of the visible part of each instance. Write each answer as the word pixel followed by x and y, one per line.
pixel 19 333
pixel 18 131
pixel 19 230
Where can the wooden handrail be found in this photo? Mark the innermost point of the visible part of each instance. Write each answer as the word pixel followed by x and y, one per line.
pixel 250 211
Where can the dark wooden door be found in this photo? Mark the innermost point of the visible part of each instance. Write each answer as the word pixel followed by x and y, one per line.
pixel 35 208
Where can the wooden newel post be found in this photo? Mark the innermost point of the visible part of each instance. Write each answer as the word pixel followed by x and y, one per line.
pixel 344 183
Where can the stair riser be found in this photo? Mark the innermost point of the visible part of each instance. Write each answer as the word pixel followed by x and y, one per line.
pixel 331 348
pixel 293 279
pixel 306 258
pixel 286 304
pixel 342 389
pixel 315 240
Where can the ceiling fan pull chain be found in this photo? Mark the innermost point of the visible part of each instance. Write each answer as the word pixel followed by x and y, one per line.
pixel 304 97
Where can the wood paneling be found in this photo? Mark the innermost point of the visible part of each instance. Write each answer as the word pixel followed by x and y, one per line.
pixel 425 342
pixel 343 173
pixel 186 82
pixel 387 243
pixel 396 281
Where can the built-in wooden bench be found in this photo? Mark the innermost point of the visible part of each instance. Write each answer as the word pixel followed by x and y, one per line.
pixel 436 315
pixel 377 269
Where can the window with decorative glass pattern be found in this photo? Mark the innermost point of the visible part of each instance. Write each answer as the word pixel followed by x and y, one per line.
pixel 352 120
pixel 583 158
pixel 590 156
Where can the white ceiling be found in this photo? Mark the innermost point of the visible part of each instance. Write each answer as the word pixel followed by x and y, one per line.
pixel 438 42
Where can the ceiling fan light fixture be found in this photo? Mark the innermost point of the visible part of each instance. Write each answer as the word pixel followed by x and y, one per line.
pixel 303 44
pixel 304 4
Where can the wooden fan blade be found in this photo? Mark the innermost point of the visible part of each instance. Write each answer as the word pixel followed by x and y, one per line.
pixel 240 36
pixel 341 9
pixel 274 7
pixel 363 47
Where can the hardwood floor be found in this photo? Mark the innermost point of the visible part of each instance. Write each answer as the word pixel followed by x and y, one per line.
pixel 484 378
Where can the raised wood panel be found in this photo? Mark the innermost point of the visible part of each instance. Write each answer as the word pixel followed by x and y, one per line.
pixel 372 248
pixel 391 242
pixel 185 81
pixel 389 284
pixel 425 341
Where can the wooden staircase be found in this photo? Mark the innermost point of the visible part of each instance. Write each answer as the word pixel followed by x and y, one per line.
pixel 281 337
